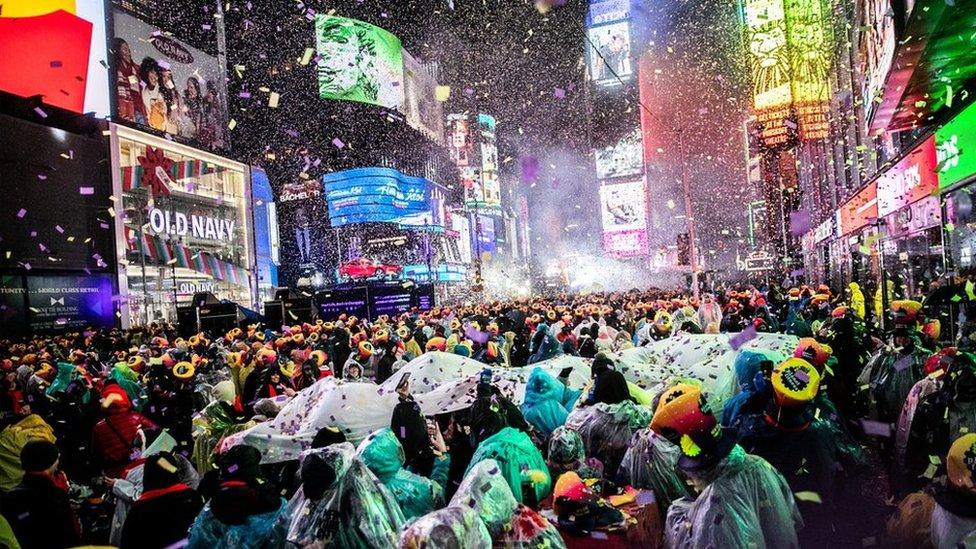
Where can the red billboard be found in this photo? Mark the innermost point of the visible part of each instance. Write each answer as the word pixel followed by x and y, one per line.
pixel 860 210
pixel 911 179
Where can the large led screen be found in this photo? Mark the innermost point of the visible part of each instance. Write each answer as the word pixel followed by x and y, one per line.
pixel 376 195
pixel 622 158
pixel 609 53
pixel 358 62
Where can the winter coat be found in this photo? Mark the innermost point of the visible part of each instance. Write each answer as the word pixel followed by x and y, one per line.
pixel 161 518
pixel 40 514
pixel 112 438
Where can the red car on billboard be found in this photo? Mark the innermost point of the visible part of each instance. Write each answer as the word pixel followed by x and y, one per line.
pixel 366 268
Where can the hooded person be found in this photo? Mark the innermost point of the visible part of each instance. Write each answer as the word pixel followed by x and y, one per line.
pixel 944 515
pixel 742 500
pixel 544 345
pixel 547 401
pixel 410 428
pixel 340 504
pixel 607 429
pixel 752 370
pixel 565 451
pixel 651 462
pixel 448 528
pixel 243 507
pixel 114 437
pixel 893 371
pixel 709 312
pixel 518 459
pixel 38 509
pixel 609 385
pixel 383 455
pixel 940 416
pixel 856 299
pixel 162 515
pixel 799 441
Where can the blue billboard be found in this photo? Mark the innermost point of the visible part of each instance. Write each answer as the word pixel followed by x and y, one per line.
pixel 381 195
pixel 265 231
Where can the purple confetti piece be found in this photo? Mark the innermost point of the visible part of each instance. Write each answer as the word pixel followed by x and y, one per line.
pixel 800 222
pixel 338 143
pixel 21 213
pixel 55 64
pixel 743 337
pixel 42 177
pixel 530 168
pixel 232 469
pixel 559 93
pixel 244 95
pixel 86 190
pixel 876 428
pixel 40 112
pixel 59 229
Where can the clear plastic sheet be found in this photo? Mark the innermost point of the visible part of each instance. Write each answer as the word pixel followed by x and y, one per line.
pixel 383 454
pixel 746 503
pixel 565 451
pixel 651 462
pixel 547 401
pixel 516 457
pixel 606 429
pixel 486 491
pixel 452 527
pixel 356 510
pixel 128 490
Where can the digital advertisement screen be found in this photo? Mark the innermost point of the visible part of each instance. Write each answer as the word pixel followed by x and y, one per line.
pixel 70 302
pixel 265 230
pixel 623 158
pixel 304 239
pixel 955 145
pixel 333 303
pixel 390 301
pixel 358 62
pixel 421 107
pixel 625 243
pixel 490 191
pixel 609 53
pixel 622 206
pixel 165 85
pixel 484 233
pixel 56 189
pixel 56 49
pixel 607 11
pixel 376 195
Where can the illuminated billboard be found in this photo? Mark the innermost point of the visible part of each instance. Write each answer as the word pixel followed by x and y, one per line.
pixel 607 11
pixel 383 195
pixel 956 148
pixel 769 66
pixel 491 191
pixel 810 37
pixel 421 108
pixel 609 53
pixel 165 85
pixel 56 49
pixel 623 212
pixel 358 62
pixel 622 158
pixel 472 147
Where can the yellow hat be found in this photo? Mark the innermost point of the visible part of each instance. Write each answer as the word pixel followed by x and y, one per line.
pixel 183 370
pixel 795 382
pixel 961 462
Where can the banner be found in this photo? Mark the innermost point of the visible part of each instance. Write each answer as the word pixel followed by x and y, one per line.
pixel 70 302
pixel 909 180
pixel 378 195
pixel 422 109
pixel 358 62
pixel 167 86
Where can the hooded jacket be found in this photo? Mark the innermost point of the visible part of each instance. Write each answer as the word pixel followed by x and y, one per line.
pixel 547 402
pixel 516 456
pixel 857 300
pixel 383 455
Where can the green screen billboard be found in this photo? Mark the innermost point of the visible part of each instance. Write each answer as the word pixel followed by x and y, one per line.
pixel 358 62
pixel 955 145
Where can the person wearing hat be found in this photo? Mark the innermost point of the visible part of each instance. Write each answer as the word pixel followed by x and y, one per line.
pixel 894 369
pixel 38 509
pixel 940 416
pixel 742 500
pixel 162 515
pixel 114 437
pixel 799 440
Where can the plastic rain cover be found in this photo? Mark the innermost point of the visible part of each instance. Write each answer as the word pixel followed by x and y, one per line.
pixel 383 454
pixel 515 455
pixel 485 490
pixel 448 528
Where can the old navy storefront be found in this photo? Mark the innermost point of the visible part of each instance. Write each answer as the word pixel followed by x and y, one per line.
pixel 182 226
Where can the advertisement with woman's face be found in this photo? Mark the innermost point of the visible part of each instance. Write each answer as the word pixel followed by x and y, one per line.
pixel 166 85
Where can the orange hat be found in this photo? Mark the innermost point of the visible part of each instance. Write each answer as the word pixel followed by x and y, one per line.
pixel 365 349
pixel 436 344
pixel 813 351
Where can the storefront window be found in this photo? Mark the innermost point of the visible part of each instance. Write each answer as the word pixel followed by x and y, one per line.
pixel 913 262
pixel 961 216
pixel 184 214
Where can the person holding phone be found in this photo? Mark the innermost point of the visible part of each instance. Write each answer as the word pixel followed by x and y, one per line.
pixel 410 428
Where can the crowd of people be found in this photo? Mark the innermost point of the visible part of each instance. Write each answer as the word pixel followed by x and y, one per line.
pixel 121 437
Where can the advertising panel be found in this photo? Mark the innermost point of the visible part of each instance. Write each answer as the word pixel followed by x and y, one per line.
pixel 769 66
pixel 622 158
pixel 811 53
pixel 860 210
pixel 877 49
pixel 609 53
pixel 625 243
pixel 56 49
pixel 265 217
pixel 381 195
pixel 70 302
pixel 56 199
pixel 391 300
pixel 167 86
pixel 955 145
pixel 358 62
pixel 607 11
pixel 422 109
pixel 461 146
pixel 909 180
pixel 622 206
pixel 490 188
pixel 303 237
pixel 461 228
pixel 484 234
pixel 333 303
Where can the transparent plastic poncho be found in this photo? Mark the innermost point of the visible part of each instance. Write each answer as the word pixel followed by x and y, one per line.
pixel 565 451
pixel 518 460
pixel 452 527
pixel 651 462
pixel 746 503
pixel 485 490
pixel 606 428
pixel 383 454
pixel 209 533
pixel 356 510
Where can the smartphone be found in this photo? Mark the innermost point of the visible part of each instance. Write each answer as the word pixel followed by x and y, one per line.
pixel 404 384
pixel 565 372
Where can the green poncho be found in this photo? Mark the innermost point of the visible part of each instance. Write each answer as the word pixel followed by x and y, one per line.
pixel 383 454
pixel 518 459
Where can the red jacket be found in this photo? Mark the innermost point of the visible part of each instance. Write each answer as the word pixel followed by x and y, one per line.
pixel 112 439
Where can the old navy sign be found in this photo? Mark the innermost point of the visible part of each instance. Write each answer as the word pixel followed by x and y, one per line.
pixel 198 226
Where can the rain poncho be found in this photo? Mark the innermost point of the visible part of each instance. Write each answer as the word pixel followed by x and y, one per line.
pixel 651 462
pixel 354 511
pixel 12 441
pixel 857 300
pixel 606 429
pixel 211 425
pixel 747 503
pixel 128 490
pixel 452 527
pixel 128 379
pixel 950 530
pixel 487 491
pixel 209 533
pixel 383 454
pixel 565 451
pixel 746 367
pixel 547 402
pixel 891 375
pixel 518 459
pixel 66 374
